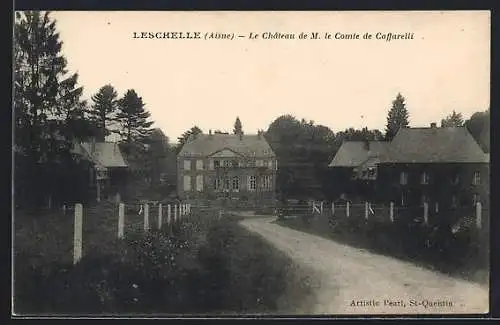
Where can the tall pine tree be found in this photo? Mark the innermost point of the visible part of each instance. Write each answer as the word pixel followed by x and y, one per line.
pixel 398 117
pixel 103 110
pixel 238 128
pixel 133 118
pixel 45 99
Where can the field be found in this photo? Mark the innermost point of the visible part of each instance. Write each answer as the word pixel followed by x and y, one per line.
pixel 202 265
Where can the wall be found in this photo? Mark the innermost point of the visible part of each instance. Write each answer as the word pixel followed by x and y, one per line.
pixel 242 197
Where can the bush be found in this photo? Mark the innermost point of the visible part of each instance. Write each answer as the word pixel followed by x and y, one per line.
pixel 202 266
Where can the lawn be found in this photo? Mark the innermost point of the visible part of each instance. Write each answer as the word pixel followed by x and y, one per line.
pixel 201 266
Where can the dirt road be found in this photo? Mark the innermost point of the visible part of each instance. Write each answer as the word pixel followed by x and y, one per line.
pixel 354 281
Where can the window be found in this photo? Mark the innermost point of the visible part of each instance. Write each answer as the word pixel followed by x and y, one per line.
pixel 226 183
pixel 227 163
pixel 260 163
pixel 187 164
pixel 218 184
pixel 187 183
pixel 199 183
pixel 403 178
pixel 217 163
pixel 424 179
pixel 270 164
pixel 199 164
pixel 267 182
pixel 251 163
pixel 252 182
pixel 476 180
pixel 236 183
pixel 211 164
pixel 476 198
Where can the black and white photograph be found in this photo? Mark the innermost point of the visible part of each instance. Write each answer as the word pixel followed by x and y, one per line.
pixel 180 164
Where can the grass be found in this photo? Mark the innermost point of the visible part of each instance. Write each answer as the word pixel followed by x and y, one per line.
pixel 201 266
pixel 456 259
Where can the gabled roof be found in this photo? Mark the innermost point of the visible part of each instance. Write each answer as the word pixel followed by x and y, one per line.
pixel 248 145
pixel 105 154
pixel 435 145
pixel 354 153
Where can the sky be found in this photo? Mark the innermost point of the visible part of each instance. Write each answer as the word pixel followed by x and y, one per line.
pixel 339 83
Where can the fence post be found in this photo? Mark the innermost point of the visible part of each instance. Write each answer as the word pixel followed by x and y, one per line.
pixel 175 213
pixel 426 213
pixel 333 208
pixel 366 210
pixel 169 214
pixel 347 209
pixel 437 207
pixel 479 211
pixel 160 215
pixel 77 236
pixel 391 212
pixel 321 207
pixel 121 219
pixel 146 217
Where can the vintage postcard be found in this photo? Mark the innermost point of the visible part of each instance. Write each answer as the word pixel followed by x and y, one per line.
pixel 231 163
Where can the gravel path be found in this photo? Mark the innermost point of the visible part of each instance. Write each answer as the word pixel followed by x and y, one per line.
pixel 355 281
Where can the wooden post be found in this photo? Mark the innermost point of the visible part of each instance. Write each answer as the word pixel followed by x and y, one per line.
pixel 333 208
pixel 426 213
pixel 121 219
pixel 146 217
pixel 366 210
pixel 479 221
pixel 347 209
pixel 437 207
pixel 77 236
pixel 169 214
pixel 391 212
pixel 160 216
pixel 321 207
pixel 189 208
pixel 175 213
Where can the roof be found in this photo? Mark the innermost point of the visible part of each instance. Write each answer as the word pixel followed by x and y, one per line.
pixel 435 145
pixel 354 153
pixel 105 154
pixel 247 145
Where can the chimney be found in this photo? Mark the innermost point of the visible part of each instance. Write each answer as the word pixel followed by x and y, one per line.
pixel 433 125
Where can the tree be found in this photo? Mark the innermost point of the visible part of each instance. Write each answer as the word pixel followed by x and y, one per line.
pixel 238 127
pixel 133 118
pixel 102 112
pixel 186 136
pixel 453 120
pixel 397 117
pixel 479 127
pixel 46 100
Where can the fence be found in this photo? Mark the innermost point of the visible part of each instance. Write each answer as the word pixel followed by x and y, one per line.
pixel 142 216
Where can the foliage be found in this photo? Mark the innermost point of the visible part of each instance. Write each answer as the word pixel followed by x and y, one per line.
pixel 453 120
pixel 104 108
pixel 238 128
pixel 133 118
pixel 397 117
pixel 187 136
pixel 48 111
pixel 479 126
pixel 203 266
